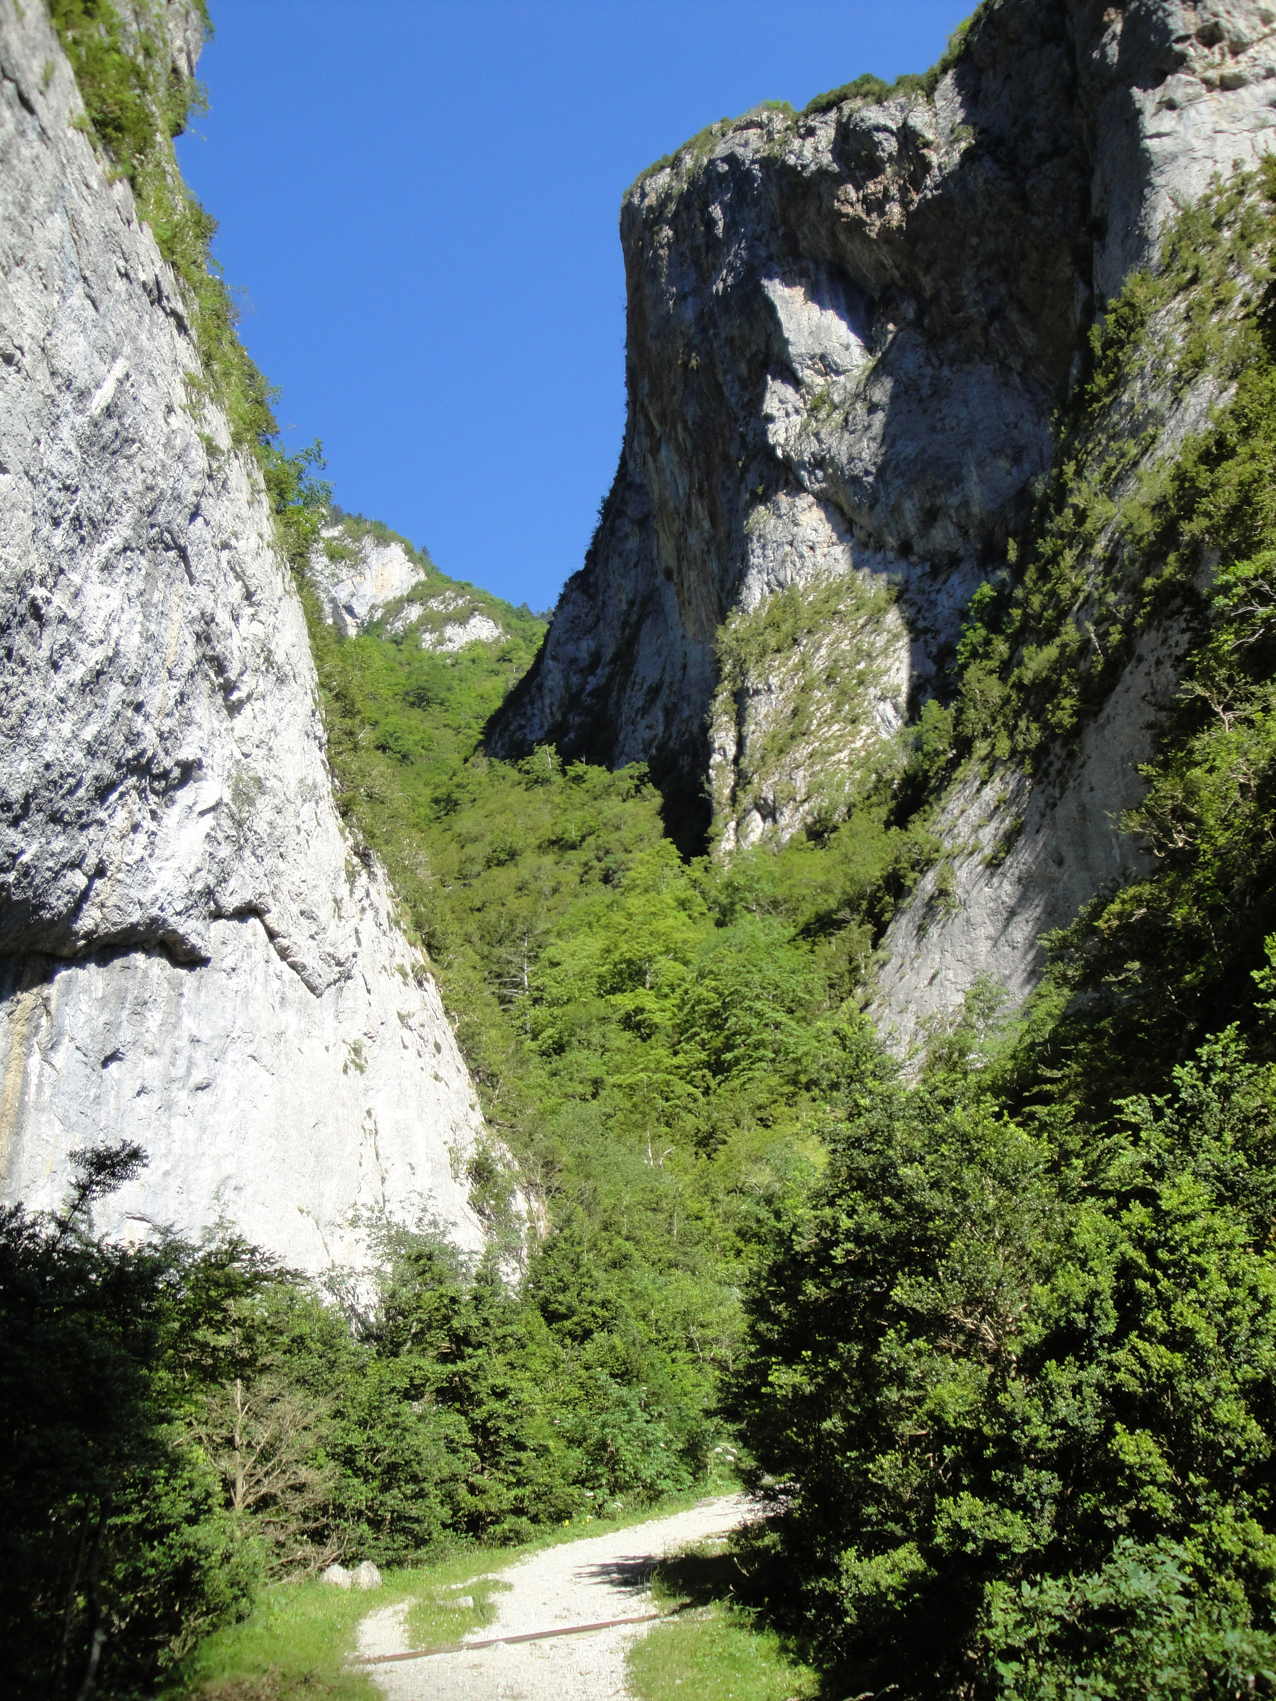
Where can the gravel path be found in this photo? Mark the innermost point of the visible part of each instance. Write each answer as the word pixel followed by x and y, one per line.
pixel 578 1583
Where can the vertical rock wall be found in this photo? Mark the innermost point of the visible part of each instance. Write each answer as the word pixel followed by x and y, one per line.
pixel 192 955
pixel 848 334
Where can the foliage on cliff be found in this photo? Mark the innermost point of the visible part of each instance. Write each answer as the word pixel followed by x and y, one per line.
pixel 800 680
pixel 869 89
pixel 1127 540
pixel 1122 528
pixel 863 90
pixel 135 101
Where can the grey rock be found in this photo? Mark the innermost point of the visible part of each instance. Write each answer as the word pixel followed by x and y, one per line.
pixel 1027 857
pixel 462 1603
pixel 194 956
pixel 355 592
pixel 458 634
pixel 1026 854
pixel 366 1576
pixel 847 336
pixel 337 1576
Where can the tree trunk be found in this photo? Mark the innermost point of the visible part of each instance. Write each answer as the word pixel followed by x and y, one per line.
pixel 97 1636
pixel 73 1589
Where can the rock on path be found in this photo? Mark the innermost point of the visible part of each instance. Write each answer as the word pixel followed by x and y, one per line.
pixel 578 1583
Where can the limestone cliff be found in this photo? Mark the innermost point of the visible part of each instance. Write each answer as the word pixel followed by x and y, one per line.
pixel 849 333
pixel 357 579
pixel 193 956
pixel 368 578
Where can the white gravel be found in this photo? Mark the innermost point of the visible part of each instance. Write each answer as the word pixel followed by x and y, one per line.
pixel 580 1582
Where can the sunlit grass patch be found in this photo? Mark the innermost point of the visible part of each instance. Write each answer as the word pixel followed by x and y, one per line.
pixel 717 1651
pixel 296 1642
pixel 435 1618
pixel 715 1646
pixel 300 1637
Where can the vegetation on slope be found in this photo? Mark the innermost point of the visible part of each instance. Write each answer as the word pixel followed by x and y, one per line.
pixel 1180 543
pixel 868 89
pixel 864 90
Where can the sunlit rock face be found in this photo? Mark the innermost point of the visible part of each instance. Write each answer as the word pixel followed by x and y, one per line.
pixel 356 587
pixel 848 334
pixel 193 956
pixel 456 635
pixel 372 582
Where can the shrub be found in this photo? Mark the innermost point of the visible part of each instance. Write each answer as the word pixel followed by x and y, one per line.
pixel 1022 1403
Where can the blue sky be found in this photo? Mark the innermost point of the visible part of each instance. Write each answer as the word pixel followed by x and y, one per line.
pixel 419 201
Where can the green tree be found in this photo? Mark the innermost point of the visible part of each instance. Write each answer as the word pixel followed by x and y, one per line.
pixel 116 1550
pixel 997 1382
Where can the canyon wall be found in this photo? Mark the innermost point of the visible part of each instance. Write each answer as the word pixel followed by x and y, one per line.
pixel 849 334
pixel 194 956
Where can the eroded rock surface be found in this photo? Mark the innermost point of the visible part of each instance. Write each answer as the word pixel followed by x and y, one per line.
pixel 356 586
pixel 193 957
pixel 1023 859
pixel 848 333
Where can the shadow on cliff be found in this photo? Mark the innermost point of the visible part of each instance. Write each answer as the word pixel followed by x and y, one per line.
pixel 685 810
pixel 987 289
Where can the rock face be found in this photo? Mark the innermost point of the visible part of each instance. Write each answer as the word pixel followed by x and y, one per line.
pixel 456 635
pixel 357 585
pixel 362 578
pixel 848 332
pixel 1024 859
pixel 193 957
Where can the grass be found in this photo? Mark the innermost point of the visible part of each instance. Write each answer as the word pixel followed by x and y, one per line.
pixel 297 1641
pixel 715 1646
pixel 434 1619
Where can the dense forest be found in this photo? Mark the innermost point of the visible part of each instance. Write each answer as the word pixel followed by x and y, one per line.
pixel 993 1328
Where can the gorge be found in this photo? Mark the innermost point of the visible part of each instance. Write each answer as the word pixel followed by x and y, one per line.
pixel 800 1016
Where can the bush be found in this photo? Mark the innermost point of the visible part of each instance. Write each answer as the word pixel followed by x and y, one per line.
pixel 116 1550
pixel 988 1373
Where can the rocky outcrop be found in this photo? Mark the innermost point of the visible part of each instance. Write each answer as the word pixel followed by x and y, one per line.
pixel 1022 858
pixel 193 956
pixel 356 580
pixel 456 635
pixel 848 334
pixel 365 578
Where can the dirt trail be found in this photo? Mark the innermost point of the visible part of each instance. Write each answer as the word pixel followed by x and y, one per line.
pixel 580 1582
